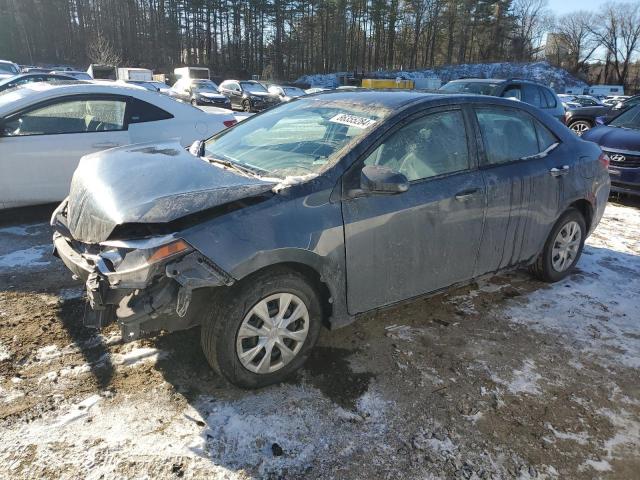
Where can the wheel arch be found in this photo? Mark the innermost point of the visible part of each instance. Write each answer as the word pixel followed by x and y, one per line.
pixel 328 281
pixel 586 209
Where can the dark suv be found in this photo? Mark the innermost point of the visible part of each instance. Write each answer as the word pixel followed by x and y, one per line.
pixel 319 210
pixel 248 95
pixel 523 90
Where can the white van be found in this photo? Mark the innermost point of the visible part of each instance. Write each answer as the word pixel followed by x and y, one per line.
pixel 135 74
pixel 606 90
pixel 192 72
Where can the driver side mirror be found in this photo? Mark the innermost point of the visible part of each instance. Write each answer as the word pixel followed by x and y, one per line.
pixel 197 148
pixel 377 179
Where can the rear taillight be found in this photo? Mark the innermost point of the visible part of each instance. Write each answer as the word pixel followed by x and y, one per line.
pixel 604 160
pixel 230 123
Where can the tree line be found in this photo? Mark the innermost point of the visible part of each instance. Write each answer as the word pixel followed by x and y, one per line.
pixel 286 38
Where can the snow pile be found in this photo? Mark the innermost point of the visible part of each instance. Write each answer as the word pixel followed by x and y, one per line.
pixel 594 306
pixel 543 72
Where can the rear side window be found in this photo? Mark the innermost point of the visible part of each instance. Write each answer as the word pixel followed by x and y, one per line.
pixel 549 97
pixel 533 96
pixel 513 91
pixel 433 145
pixel 508 134
pixel 141 111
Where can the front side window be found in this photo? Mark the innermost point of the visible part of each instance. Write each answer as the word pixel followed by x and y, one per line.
pixel 299 138
pixel 508 134
pixel 69 116
pixel 433 145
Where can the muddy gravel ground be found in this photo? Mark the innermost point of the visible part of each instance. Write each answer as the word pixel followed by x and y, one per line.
pixel 505 378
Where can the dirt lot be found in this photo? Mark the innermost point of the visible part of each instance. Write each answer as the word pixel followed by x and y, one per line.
pixel 506 378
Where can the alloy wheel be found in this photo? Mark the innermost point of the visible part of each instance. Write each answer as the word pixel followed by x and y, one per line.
pixel 580 127
pixel 272 333
pixel 566 246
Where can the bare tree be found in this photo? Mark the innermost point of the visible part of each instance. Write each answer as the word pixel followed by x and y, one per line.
pixel 575 29
pixel 532 19
pixel 101 52
pixel 619 33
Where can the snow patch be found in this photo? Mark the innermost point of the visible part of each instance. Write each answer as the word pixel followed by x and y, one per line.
pixel 4 352
pixel 29 257
pixel 590 307
pixel 137 356
pixel 582 438
pixel 79 411
pixel 524 380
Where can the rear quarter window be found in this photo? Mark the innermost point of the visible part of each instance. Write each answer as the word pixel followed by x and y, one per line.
pixel 141 112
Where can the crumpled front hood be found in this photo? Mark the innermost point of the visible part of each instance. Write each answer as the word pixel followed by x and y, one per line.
pixel 148 183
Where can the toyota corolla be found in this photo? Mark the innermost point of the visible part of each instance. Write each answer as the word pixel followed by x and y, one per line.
pixel 319 210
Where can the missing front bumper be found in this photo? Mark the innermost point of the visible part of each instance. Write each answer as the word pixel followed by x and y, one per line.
pixel 164 303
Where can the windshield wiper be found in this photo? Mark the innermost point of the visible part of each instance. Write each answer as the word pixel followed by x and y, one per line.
pixel 244 169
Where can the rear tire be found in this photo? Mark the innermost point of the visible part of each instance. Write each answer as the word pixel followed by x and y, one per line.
pixel 580 126
pixel 562 249
pixel 241 325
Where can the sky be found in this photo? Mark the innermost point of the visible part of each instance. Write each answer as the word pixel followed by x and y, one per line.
pixel 565 6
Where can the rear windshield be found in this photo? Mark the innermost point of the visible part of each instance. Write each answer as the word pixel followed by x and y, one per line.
pixel 478 88
pixel 298 138
pixel 8 68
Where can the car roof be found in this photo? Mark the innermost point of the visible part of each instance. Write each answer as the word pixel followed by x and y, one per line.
pixel 34 92
pixel 391 99
pixel 479 80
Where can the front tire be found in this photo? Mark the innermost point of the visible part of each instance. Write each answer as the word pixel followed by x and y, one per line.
pixel 194 102
pixel 246 106
pixel 562 249
pixel 262 329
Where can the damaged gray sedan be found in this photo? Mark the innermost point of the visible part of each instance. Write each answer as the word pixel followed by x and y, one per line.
pixel 319 210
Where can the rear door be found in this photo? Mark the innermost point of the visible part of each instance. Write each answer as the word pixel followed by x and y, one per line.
pixel 41 146
pixel 523 170
pixel 403 245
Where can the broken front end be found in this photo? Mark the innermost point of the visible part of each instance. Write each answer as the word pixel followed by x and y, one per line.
pixel 147 285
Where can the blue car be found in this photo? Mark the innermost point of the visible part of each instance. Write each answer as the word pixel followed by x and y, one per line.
pixel 620 139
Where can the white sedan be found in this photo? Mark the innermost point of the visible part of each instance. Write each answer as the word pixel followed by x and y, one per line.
pixel 45 129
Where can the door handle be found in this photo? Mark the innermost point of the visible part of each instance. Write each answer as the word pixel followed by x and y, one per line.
pixel 558 172
pixel 106 145
pixel 466 194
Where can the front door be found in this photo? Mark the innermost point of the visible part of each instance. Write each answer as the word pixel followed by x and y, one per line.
pixel 42 146
pixel 403 245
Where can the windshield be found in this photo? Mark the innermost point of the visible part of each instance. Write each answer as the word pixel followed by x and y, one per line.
pixel 9 68
pixel 479 88
pixel 253 87
pixel 204 86
pixel 628 119
pixel 296 138
pixel 293 91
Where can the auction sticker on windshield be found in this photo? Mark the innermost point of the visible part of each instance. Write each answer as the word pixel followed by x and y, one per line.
pixel 352 120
